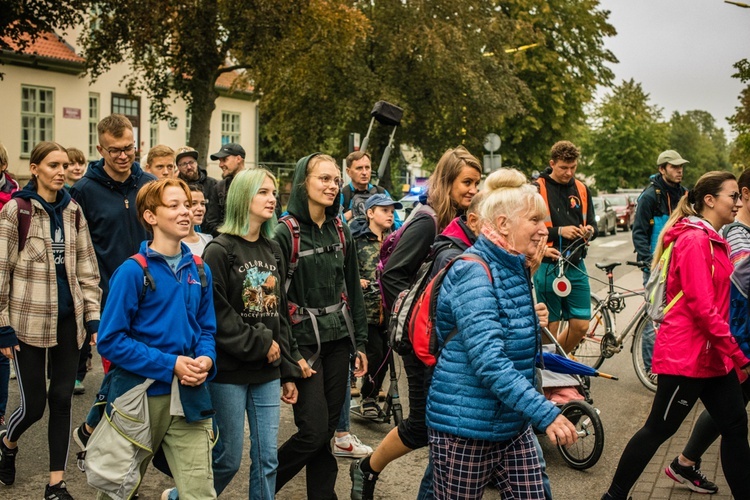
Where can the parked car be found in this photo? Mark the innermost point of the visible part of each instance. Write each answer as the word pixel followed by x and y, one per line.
pixel 409 202
pixel 624 205
pixel 606 218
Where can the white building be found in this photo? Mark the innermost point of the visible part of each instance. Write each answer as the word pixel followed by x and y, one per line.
pixel 46 95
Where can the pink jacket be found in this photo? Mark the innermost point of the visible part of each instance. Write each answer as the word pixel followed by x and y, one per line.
pixel 694 340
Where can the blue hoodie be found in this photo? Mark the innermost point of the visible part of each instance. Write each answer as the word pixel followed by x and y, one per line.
pixel 109 207
pixel 145 337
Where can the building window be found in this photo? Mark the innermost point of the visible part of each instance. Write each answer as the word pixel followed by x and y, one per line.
pixel 128 106
pixel 230 127
pixel 188 124
pixel 93 122
pixel 153 132
pixel 37 117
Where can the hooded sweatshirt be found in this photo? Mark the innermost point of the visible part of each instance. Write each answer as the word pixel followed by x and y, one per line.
pixel 655 205
pixel 109 207
pixel 57 235
pixel 322 278
pixel 453 241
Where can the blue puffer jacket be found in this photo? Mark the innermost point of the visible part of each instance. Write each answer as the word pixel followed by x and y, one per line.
pixel 483 385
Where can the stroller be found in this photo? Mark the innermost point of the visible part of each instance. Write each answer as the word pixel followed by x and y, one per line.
pixel 565 383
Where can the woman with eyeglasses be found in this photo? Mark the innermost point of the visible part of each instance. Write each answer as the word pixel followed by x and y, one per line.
pixel 695 354
pixel 49 300
pixel 328 318
pixel 195 240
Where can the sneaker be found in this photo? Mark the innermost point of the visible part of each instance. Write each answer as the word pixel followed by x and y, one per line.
pixel 349 446
pixel 58 491
pixel 692 477
pixel 79 389
pixel 381 395
pixel 363 485
pixel 7 462
pixel 370 408
pixel 653 377
pixel 170 494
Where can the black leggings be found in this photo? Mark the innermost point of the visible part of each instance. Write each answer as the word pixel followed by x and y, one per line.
pixel 377 366
pixel 31 364
pixel 675 397
pixel 413 430
pixel 706 431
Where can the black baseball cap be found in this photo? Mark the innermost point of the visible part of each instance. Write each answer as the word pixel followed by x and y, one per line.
pixel 229 149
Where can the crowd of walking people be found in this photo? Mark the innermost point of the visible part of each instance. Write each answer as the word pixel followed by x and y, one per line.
pixel 210 307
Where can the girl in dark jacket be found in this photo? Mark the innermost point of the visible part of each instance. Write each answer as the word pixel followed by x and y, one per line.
pixel 451 188
pixel 328 323
pixel 253 345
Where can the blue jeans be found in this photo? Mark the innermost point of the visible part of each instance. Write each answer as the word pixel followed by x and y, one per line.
pixel 261 403
pixel 4 381
pixel 649 336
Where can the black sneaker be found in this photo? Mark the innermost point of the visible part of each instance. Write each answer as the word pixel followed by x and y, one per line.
pixel 57 491
pixel 692 477
pixel 7 462
pixel 363 485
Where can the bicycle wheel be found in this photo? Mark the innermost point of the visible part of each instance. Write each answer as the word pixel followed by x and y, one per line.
pixel 585 452
pixel 636 349
pixel 589 351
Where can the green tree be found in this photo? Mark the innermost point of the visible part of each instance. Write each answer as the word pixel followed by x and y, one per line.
pixel 740 121
pixel 626 138
pixel 179 49
pixel 695 136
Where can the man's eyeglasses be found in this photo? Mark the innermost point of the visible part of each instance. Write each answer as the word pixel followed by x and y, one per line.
pixel 116 152
pixel 201 203
pixel 327 180
pixel 184 164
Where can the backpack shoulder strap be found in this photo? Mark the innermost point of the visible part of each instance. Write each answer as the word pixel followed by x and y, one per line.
pixel 201 270
pixel 24 221
pixel 340 230
pixel 293 225
pixel 148 279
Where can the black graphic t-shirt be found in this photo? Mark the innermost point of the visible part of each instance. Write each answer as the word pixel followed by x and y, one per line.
pixel 251 311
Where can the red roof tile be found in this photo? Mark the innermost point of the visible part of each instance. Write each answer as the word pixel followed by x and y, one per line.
pixel 226 80
pixel 48 45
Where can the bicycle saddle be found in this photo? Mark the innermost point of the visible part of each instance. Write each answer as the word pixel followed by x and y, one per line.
pixel 607 267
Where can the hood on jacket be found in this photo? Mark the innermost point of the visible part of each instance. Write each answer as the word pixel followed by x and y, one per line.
pixel 298 201
pixel 458 232
pixel 691 223
pixel 97 173
pixel 360 229
pixel 54 209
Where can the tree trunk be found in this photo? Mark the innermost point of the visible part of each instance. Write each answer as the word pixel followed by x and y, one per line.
pixel 204 102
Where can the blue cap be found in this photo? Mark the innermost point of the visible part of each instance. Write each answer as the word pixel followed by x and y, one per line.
pixel 381 200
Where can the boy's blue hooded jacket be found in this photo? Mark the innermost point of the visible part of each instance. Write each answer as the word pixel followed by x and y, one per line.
pixel 177 318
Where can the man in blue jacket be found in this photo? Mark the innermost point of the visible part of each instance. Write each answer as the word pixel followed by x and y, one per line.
pixel 107 196
pixel 655 205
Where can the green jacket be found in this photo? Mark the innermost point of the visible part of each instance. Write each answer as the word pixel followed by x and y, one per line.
pixel 320 278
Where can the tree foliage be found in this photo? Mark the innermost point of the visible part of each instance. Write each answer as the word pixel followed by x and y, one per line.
pixel 740 121
pixel 626 138
pixel 695 136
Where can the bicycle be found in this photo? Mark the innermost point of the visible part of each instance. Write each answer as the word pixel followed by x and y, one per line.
pixel 602 341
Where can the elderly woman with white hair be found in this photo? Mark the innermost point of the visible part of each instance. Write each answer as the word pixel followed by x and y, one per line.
pixel 487 368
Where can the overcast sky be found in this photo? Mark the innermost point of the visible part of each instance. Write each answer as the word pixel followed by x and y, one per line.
pixel 681 51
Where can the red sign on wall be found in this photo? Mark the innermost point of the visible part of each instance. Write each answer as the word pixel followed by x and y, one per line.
pixel 74 113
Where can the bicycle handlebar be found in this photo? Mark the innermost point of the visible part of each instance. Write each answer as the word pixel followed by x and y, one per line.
pixel 642 264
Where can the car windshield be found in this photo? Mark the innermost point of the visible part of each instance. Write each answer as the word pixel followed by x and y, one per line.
pixel 617 200
pixel 598 204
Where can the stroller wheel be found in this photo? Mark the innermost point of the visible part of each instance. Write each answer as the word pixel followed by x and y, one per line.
pixel 585 452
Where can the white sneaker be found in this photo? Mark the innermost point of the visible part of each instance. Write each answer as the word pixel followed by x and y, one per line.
pixel 349 446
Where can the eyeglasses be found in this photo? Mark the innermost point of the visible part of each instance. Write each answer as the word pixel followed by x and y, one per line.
pixel 191 163
pixel 735 196
pixel 116 152
pixel 201 203
pixel 327 180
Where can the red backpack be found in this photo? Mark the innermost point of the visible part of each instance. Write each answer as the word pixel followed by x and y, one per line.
pixel 422 334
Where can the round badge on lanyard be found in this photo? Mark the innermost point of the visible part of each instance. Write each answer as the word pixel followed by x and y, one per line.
pixel 561 285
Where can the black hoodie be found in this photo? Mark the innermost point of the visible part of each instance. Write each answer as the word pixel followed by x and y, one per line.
pixel 320 279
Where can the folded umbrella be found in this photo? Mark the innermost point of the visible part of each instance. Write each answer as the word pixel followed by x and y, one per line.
pixel 561 364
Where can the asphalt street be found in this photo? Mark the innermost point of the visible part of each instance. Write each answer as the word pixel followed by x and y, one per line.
pixel 623 407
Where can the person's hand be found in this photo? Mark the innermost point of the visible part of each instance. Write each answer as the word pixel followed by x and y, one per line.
pixel 552 253
pixel 347 216
pixel 192 372
pixel 364 283
pixel 534 261
pixel 588 231
pixel 289 393
pixel 360 364
pixel 561 431
pixel 274 352
pixel 571 232
pixel 307 370
pixel 93 339
pixel 204 363
pixel 9 352
pixel 543 314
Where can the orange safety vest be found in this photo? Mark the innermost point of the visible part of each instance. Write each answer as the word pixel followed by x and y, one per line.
pixel 583 194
